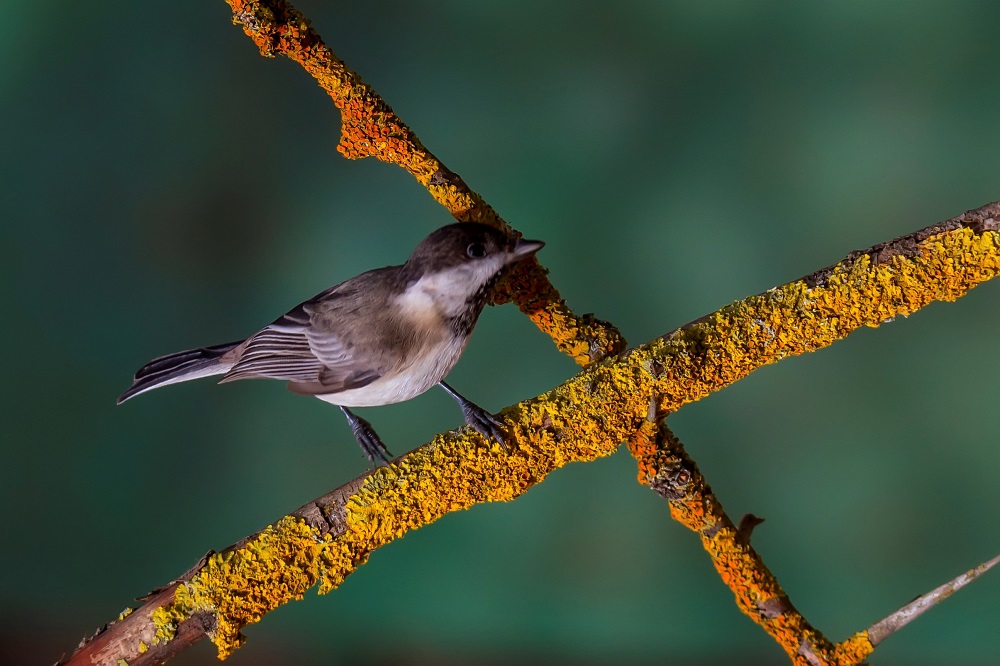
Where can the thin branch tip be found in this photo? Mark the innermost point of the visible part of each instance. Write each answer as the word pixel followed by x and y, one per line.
pixel 886 627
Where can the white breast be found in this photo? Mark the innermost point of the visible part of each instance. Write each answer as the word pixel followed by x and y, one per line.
pixel 424 306
pixel 428 369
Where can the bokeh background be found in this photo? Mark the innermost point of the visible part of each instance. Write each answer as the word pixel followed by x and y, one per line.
pixel 164 187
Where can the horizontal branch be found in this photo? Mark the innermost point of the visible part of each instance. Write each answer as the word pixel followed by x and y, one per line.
pixel 584 418
pixel 370 128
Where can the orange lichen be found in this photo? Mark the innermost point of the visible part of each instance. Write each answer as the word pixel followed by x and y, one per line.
pixel 454 471
pixel 665 467
pixel 370 128
pixel 854 650
pixel 644 447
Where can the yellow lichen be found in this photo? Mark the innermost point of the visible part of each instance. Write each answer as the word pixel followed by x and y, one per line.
pixel 854 650
pixel 797 318
pixel 241 586
pixel 165 620
pixel 585 418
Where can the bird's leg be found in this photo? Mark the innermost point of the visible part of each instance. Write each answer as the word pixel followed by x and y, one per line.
pixel 367 438
pixel 485 423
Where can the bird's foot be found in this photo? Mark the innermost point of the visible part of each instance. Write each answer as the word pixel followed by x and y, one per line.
pixel 486 424
pixel 369 441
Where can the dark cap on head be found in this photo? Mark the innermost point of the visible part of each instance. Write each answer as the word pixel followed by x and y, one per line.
pixel 460 243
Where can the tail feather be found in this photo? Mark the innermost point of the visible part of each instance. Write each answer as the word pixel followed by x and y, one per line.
pixel 180 367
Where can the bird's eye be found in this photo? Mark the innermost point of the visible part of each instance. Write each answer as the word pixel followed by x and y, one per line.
pixel 476 250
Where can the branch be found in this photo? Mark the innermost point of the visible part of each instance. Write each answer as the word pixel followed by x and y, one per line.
pixel 370 128
pixel 886 627
pixel 861 644
pixel 665 467
pixel 584 418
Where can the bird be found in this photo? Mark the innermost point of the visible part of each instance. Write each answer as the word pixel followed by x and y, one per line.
pixel 382 337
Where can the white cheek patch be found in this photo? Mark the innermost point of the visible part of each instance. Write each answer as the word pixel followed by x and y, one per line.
pixel 445 293
pixel 417 305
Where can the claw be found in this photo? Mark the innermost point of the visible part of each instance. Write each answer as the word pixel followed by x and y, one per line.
pixel 368 439
pixel 486 424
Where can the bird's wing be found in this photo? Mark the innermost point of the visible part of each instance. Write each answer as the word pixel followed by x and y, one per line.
pixel 299 349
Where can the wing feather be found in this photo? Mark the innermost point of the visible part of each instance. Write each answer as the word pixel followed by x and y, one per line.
pixel 312 357
pixel 277 354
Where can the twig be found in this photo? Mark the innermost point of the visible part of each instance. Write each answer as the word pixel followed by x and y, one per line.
pixel 886 627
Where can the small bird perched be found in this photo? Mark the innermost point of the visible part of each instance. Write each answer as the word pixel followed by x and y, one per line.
pixel 382 337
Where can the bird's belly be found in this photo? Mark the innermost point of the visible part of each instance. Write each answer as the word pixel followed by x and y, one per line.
pixel 427 370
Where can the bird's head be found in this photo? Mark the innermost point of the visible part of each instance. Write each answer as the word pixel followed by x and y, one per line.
pixel 458 263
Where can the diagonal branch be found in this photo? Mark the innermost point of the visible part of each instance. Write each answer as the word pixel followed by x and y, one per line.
pixel 584 418
pixel 370 128
pixel 667 469
pixel 886 627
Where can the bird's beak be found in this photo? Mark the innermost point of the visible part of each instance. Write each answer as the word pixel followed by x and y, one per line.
pixel 522 248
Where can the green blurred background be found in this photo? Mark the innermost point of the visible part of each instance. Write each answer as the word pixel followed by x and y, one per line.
pixel 165 187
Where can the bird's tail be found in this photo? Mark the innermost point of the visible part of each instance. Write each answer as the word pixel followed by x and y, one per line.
pixel 181 367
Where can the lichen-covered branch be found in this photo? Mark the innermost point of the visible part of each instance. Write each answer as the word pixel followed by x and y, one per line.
pixel 868 288
pixel 666 468
pixel 584 418
pixel 370 128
